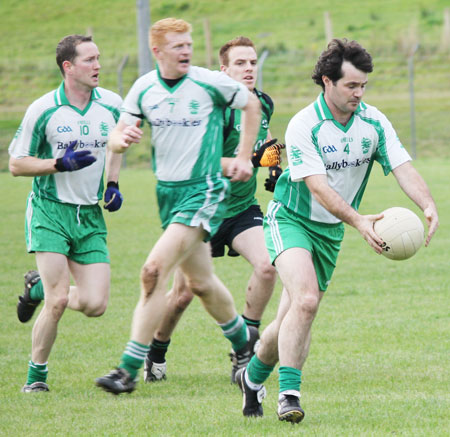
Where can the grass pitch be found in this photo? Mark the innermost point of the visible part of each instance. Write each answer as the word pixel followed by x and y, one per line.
pixel 378 364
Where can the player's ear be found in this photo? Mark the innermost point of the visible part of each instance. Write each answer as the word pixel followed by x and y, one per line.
pixel 223 68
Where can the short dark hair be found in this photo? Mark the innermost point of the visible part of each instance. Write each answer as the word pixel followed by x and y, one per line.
pixel 338 51
pixel 66 50
pixel 239 41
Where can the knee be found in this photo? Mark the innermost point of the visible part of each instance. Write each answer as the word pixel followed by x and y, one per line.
pixel 57 305
pixel 184 299
pixel 308 305
pixel 200 288
pixel 94 309
pixel 150 273
pixel 265 271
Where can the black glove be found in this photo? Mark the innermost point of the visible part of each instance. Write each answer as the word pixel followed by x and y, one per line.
pixel 268 155
pixel 113 198
pixel 274 174
pixel 74 160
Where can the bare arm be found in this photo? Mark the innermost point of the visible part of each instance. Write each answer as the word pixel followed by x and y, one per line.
pixel 32 166
pixel 241 169
pixel 123 135
pixel 417 190
pixel 336 205
pixel 112 166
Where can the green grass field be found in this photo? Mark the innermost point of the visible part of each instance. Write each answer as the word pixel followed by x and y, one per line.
pixel 379 362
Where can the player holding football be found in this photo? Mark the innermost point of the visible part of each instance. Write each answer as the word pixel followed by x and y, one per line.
pixel 242 229
pixel 184 106
pixel 331 146
pixel 62 144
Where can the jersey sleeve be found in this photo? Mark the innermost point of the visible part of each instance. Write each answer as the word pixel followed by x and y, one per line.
pixel 131 110
pixel 390 151
pixel 234 93
pixel 29 135
pixel 304 157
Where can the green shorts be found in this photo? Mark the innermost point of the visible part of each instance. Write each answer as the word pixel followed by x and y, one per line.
pixel 76 231
pixel 284 229
pixel 199 202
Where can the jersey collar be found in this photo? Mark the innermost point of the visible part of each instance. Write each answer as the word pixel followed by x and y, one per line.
pixel 61 98
pixel 323 112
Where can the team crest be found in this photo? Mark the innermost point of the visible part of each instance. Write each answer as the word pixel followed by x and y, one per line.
pixel 365 145
pixel 104 129
pixel 194 106
pixel 296 156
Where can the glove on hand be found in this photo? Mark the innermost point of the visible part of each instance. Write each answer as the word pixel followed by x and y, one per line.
pixel 113 198
pixel 274 174
pixel 74 160
pixel 268 155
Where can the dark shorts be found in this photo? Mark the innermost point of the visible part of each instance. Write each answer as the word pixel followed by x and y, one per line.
pixel 233 226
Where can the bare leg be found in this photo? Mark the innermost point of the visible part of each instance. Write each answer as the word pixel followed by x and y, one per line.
pixel 250 244
pixel 55 276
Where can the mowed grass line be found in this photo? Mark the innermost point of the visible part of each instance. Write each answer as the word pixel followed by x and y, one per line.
pixel 378 363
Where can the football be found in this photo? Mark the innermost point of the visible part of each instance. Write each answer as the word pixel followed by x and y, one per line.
pixel 402 232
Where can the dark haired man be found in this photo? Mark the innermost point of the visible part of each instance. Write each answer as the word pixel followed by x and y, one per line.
pixel 331 145
pixel 241 231
pixel 62 144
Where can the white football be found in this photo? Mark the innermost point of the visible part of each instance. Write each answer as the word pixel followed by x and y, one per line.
pixel 401 231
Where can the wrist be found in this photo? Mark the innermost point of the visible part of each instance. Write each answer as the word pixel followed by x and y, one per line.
pixel 112 184
pixel 59 165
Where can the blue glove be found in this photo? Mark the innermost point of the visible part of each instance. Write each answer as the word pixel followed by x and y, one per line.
pixel 74 160
pixel 113 197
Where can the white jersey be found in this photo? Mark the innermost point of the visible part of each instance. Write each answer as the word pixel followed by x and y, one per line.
pixel 186 120
pixel 50 124
pixel 318 144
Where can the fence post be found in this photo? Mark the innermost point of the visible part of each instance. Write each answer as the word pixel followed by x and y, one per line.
pixel 411 99
pixel 120 88
pixel 260 65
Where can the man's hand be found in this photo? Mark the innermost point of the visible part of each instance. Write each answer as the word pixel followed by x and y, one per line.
pixel 431 216
pixel 124 135
pixel 268 155
pixel 239 170
pixel 73 160
pixel 364 225
pixel 113 198
pixel 274 173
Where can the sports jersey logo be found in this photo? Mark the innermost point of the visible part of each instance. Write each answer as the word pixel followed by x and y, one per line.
pixel 295 156
pixel 183 123
pixel 329 149
pixel 194 106
pixel 62 129
pixel 83 145
pixel 104 129
pixel 265 123
pixel 365 145
pixel 346 164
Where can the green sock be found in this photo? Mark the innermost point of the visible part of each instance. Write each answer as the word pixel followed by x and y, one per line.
pixel 289 378
pixel 236 331
pixel 251 322
pixel 257 371
pixel 133 357
pixel 36 372
pixel 37 291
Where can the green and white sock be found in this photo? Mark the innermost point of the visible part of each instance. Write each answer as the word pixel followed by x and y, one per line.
pixel 36 372
pixel 257 371
pixel 236 331
pixel 133 357
pixel 290 379
pixel 37 291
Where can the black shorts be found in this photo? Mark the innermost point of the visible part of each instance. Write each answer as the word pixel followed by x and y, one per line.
pixel 233 226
